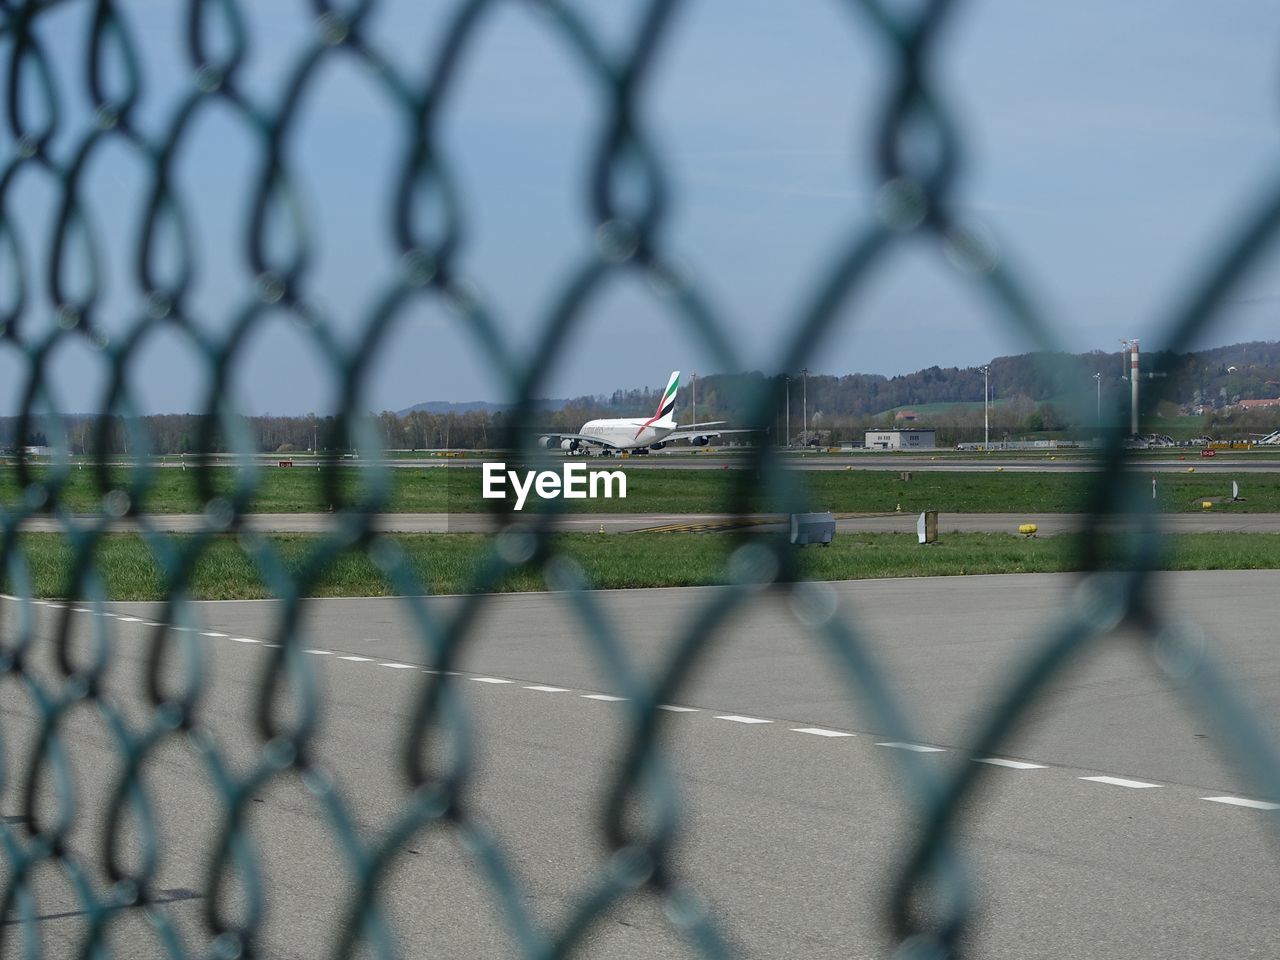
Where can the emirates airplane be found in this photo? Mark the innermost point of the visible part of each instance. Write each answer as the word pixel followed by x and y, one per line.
pixel 638 434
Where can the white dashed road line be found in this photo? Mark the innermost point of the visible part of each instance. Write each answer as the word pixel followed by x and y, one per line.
pixel 913 747
pixel 1242 802
pixel 1011 764
pixel 824 732
pixel 1121 782
pixel 821 732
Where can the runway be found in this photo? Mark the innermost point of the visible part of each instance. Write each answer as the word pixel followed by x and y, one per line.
pixel 1104 831
pixel 952 463
pixel 944 461
pixel 609 523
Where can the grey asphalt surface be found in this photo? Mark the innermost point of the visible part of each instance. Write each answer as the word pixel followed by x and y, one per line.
pixel 1047 523
pixel 950 463
pixel 790 837
pixel 943 460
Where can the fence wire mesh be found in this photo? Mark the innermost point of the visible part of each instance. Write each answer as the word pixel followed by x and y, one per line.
pixel 930 904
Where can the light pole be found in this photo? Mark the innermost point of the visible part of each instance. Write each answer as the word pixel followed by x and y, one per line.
pixel 804 392
pixel 788 415
pixel 986 420
pixel 1098 377
pixel 694 378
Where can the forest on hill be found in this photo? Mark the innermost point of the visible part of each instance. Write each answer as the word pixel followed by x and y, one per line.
pixel 1032 394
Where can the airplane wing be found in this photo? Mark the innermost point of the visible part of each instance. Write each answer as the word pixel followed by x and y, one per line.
pixel 686 434
pixel 694 426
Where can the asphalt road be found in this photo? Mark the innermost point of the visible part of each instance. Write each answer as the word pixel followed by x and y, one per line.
pixel 951 463
pixel 790 834
pixel 943 460
pixel 1048 523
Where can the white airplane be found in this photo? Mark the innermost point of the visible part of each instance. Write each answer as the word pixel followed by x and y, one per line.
pixel 639 434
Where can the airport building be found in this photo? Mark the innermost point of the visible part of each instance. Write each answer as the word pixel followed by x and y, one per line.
pixel 901 440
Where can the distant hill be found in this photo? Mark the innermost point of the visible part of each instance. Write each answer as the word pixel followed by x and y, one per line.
pixel 467 406
pixel 1029 392
pixel 1213 378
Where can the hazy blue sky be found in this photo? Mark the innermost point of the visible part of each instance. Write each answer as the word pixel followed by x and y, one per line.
pixel 1109 144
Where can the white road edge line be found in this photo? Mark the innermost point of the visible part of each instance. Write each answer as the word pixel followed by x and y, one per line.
pixel 673 708
pixel 355 659
pixel 1242 802
pixel 914 747
pixel 736 718
pixel 543 688
pixel 320 653
pixel 1011 764
pixel 245 640
pixel 398 666
pixel 606 697
pixel 821 732
pixel 1121 782
pixel 491 680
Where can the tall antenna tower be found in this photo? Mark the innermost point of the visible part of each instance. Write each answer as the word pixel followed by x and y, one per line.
pixel 1131 374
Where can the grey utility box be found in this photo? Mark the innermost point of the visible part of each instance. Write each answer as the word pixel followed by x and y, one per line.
pixel 809 528
pixel 927 527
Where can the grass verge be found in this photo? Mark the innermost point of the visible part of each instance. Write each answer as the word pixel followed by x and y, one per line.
pixel 448 563
pixel 651 490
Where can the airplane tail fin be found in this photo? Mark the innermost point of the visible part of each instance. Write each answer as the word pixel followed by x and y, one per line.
pixel 666 414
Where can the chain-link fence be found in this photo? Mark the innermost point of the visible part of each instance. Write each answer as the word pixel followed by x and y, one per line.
pixel 56 134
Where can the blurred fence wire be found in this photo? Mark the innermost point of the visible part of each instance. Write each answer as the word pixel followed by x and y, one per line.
pixel 52 295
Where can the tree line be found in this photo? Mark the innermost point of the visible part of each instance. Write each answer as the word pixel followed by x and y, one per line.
pixel 1070 394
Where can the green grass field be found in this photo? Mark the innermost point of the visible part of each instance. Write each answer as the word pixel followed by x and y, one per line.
pixel 656 490
pixel 448 563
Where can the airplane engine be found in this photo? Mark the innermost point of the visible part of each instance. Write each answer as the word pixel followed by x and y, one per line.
pixel 569 445
pixel 546 442
pixel 699 441
pixel 656 446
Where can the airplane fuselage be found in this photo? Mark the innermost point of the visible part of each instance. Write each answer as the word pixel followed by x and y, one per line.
pixel 626 433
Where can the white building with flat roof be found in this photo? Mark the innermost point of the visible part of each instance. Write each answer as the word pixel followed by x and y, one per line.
pixel 901 440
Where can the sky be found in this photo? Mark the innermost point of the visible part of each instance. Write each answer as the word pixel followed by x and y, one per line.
pixel 1108 148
